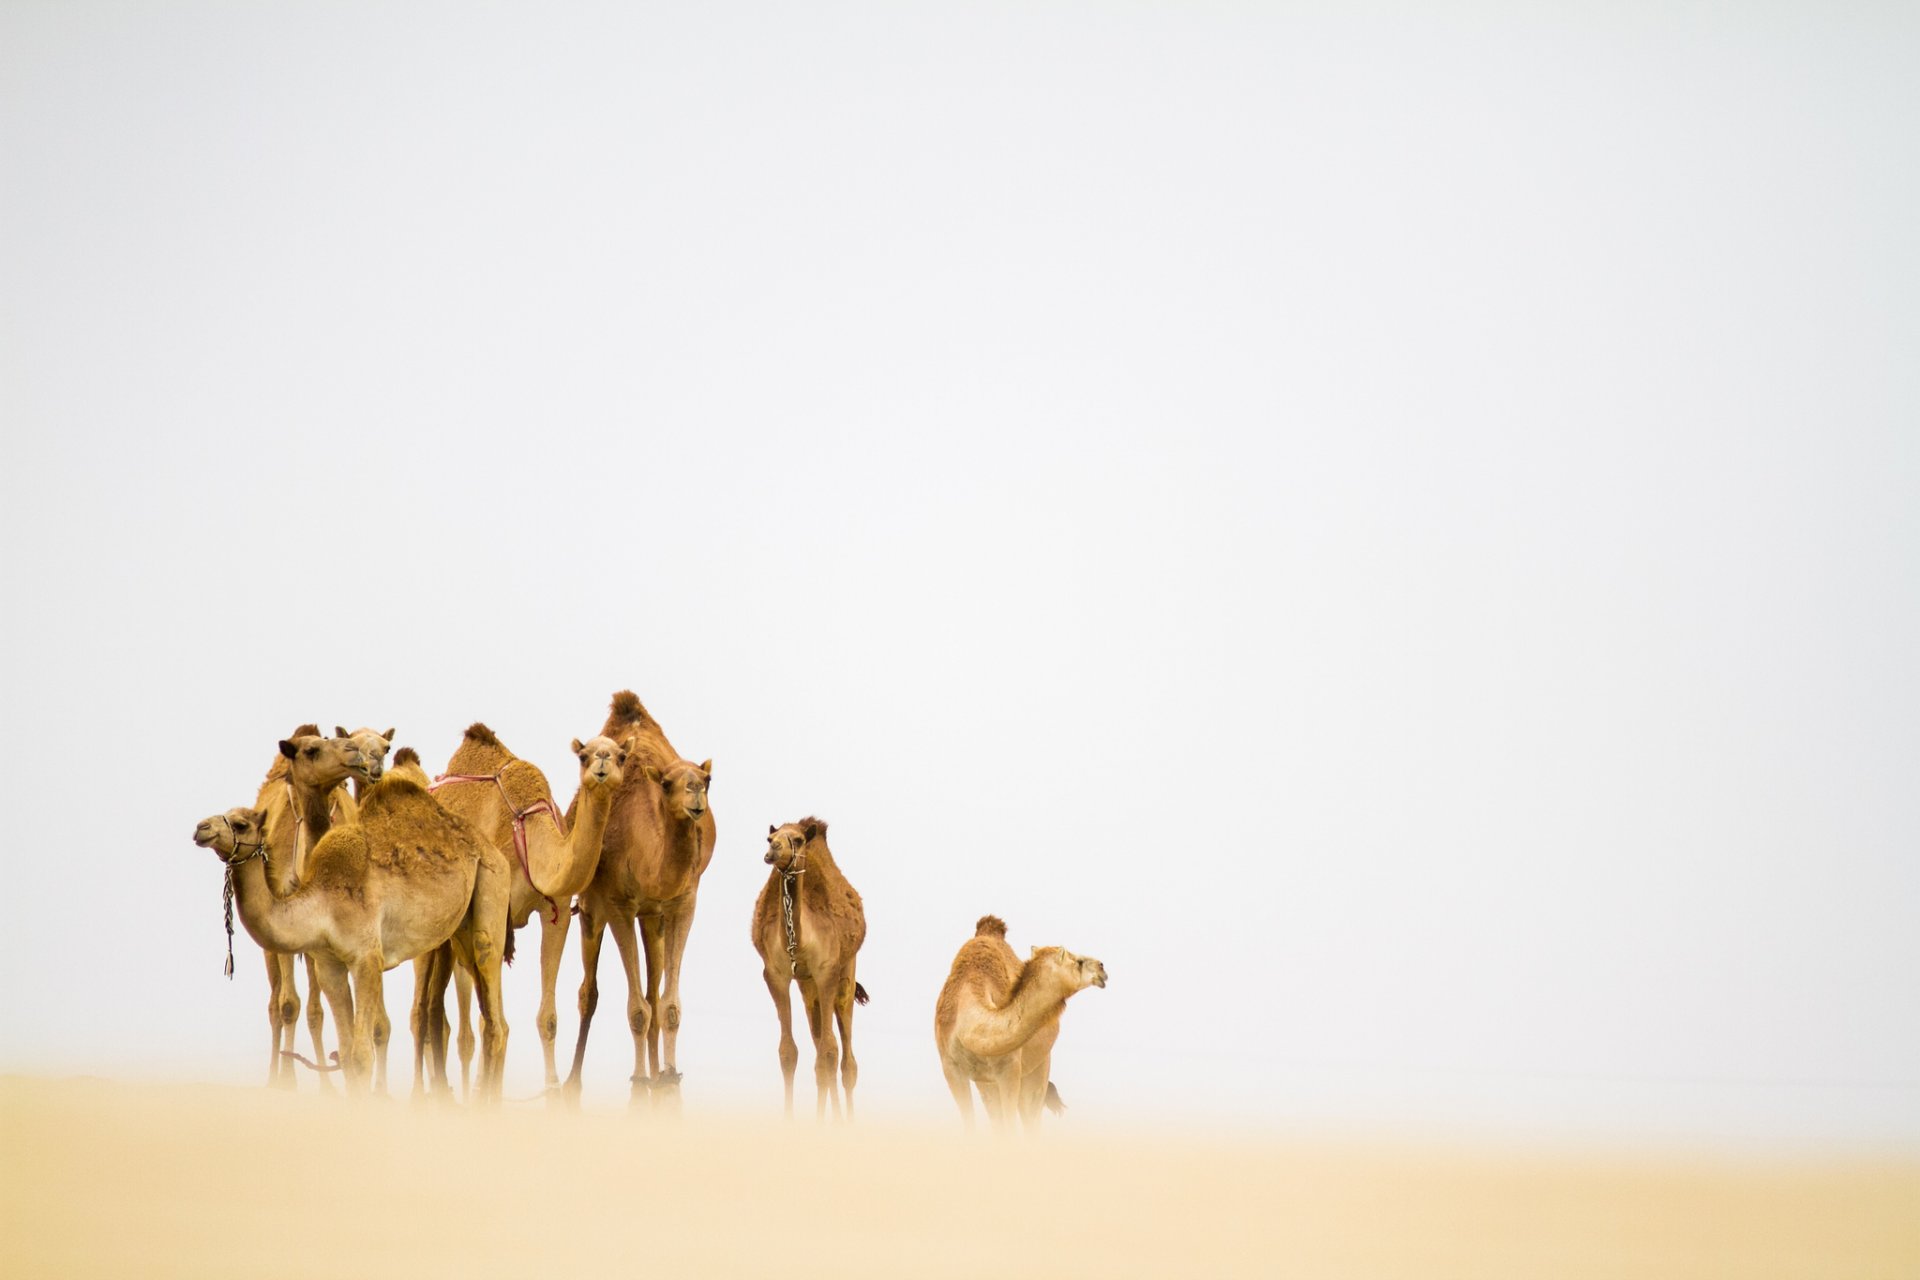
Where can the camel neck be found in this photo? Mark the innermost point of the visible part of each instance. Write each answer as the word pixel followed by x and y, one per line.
pixel 263 914
pixel 1005 1029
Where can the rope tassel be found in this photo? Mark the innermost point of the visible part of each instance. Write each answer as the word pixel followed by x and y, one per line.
pixel 226 903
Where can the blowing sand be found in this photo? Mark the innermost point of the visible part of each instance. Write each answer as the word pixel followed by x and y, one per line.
pixel 111 1179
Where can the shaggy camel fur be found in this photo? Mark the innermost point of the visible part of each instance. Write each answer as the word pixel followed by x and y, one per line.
pixel 997 1019
pixel 301 796
pixel 658 841
pixel 397 883
pixel 808 925
pixel 508 799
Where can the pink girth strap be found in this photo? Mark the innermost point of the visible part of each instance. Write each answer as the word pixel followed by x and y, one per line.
pixel 519 824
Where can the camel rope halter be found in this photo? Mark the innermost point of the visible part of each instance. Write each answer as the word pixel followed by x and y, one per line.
pixel 520 817
pixel 786 903
pixel 233 860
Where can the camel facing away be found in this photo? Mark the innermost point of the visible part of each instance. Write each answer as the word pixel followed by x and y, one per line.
pixel 507 799
pixel 302 796
pixel 997 1019
pixel 395 884
pixel 659 839
pixel 808 925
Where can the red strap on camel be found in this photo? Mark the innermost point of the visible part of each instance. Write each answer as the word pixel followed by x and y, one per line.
pixel 519 824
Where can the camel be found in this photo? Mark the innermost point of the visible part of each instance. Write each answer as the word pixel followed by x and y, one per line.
pixel 997 1019
pixel 659 839
pixel 808 925
pixel 395 884
pixel 301 798
pixel 508 799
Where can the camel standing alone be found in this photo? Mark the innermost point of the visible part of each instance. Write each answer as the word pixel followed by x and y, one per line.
pixel 808 925
pixel 395 884
pixel 658 842
pixel 997 1019
pixel 508 799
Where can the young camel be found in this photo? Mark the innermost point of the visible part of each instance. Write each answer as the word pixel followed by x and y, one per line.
pixel 397 883
pixel 997 1019
pixel 508 799
pixel 301 795
pixel 808 925
pixel 658 842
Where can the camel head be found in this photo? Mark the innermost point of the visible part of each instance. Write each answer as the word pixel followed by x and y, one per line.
pixel 600 759
pixel 323 763
pixel 225 832
pixel 373 745
pixel 684 787
pixel 786 846
pixel 1075 973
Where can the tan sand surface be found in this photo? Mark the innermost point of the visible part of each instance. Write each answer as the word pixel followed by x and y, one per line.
pixel 117 1179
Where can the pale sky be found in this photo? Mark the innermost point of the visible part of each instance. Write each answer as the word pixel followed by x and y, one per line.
pixel 1396 530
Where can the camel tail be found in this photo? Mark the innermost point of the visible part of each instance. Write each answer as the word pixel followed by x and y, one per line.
pixel 993 925
pixel 506 952
pixel 309 1063
pixel 859 994
pixel 1054 1102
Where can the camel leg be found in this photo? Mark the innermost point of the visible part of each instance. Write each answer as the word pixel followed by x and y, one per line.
pixel 591 931
pixel 1032 1091
pixel 463 997
pixel 419 1020
pixel 274 1024
pixel 1004 1103
pixel 653 938
pixel 843 1014
pixel 826 1049
pixel 962 1090
pixel 316 1021
pixel 553 944
pixel 369 1006
pixel 382 1033
pixel 492 890
pixel 678 924
pixel 781 989
pixel 639 1017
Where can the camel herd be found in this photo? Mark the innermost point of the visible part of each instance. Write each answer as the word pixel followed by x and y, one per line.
pixel 354 866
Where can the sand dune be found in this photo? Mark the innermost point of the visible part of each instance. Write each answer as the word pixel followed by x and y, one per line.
pixel 112 1179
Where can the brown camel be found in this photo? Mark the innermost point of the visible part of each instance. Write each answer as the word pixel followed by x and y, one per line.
pixel 658 841
pixel 508 799
pixel 997 1019
pixel 808 925
pixel 300 797
pixel 393 885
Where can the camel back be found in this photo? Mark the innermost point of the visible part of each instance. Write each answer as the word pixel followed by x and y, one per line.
pixel 482 754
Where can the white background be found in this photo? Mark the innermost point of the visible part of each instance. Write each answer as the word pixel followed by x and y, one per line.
pixel 1396 530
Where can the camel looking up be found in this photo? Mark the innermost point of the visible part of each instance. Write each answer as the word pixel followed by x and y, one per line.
pixel 997 1019
pixel 808 925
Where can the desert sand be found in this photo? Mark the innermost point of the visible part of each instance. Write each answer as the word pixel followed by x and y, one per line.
pixel 117 1179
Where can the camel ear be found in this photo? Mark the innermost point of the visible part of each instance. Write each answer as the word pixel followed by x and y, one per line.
pixel 578 746
pixel 1033 953
pixel 653 774
pixel 288 750
pixel 259 817
pixel 771 828
pixel 813 830
pixel 706 767
pixel 388 735
pixel 622 757
pixel 340 732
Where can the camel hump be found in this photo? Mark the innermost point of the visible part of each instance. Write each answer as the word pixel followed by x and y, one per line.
pixel 478 732
pixel 626 709
pixel 306 731
pixel 990 925
pixel 406 755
